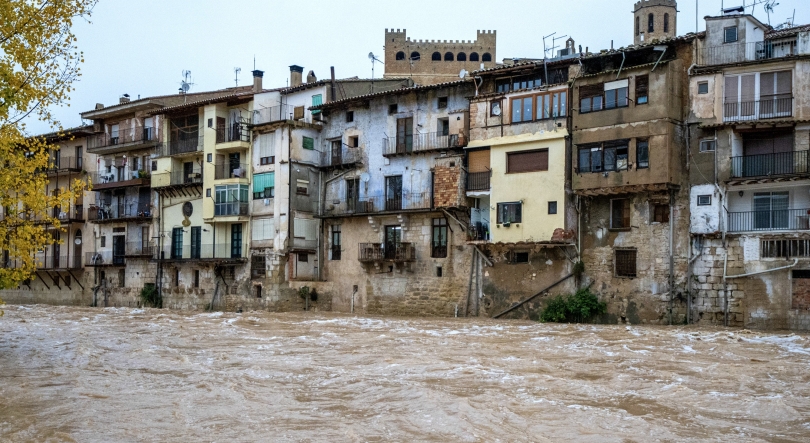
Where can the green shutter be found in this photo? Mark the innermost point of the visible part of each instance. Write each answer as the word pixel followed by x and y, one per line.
pixel 317 100
pixel 308 143
pixel 264 181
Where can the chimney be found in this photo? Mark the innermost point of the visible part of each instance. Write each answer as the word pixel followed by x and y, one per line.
pixel 311 77
pixel 99 106
pixel 295 75
pixel 257 81
pixel 124 99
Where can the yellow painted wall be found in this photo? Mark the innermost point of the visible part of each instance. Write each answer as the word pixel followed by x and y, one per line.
pixel 536 189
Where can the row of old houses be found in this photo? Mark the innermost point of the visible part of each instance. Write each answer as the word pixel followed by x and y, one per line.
pixel 668 176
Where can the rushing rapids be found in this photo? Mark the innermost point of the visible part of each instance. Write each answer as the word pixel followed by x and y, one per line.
pixel 101 375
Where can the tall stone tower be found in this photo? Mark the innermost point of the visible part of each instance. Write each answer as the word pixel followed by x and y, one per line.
pixel 654 20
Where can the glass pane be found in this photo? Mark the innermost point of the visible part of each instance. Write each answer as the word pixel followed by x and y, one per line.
pixel 622 99
pixel 596 160
pixel 517 106
pixel 563 104
pixel 527 109
pixel 584 160
pixel 610 159
pixel 556 105
pixel 610 99
pixel 546 106
pixel 642 155
pixel 597 103
pixel 585 105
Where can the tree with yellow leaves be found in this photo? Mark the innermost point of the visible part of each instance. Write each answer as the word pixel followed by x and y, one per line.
pixel 39 62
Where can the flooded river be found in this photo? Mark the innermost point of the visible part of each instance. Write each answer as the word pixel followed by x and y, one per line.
pixel 117 375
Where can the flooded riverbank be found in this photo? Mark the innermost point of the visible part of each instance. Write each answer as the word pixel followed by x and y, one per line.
pixel 100 375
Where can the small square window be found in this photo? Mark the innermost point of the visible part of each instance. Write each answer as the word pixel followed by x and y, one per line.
pixel 660 213
pixel 495 109
pixel 708 145
pixel 704 200
pixel 303 257
pixel 442 102
pixel 103 241
pixel 154 165
pixel 207 192
pixel 625 262
pixel 354 141
pixel 552 207
pixel 730 34
pixel 308 143
pixel 210 158
pixel 520 257
pixel 349 116
pixel 703 87
pixel 393 108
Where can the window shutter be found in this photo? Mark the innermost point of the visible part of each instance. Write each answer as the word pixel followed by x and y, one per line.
pixel 308 143
pixel 527 161
pixel 766 84
pixel 262 229
pixel 591 90
pixel 317 100
pixel 298 113
pixel 732 93
pixel 263 181
pixel 784 82
pixel 479 161
pixel 747 91
pixel 642 85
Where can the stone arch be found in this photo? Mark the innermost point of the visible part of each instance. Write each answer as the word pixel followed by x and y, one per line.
pixel 400 55
pixel 448 56
pixel 437 57
pixel 487 57
pixel 474 57
pixel 415 56
pixel 461 57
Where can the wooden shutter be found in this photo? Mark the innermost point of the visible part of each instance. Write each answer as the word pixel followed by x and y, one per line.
pixel 642 85
pixel 766 84
pixel 784 83
pixel 478 161
pixel 747 91
pixel 527 161
pixel 591 90
pixel 298 113
pixel 732 92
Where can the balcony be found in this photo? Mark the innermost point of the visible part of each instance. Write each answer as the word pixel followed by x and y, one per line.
pixel 190 145
pixel 769 108
pixel 113 180
pixel 235 132
pixel 340 158
pixel 223 171
pixel 71 215
pixel 58 262
pixel 106 258
pixel 140 249
pixel 225 251
pixel 380 204
pixel 230 209
pixel 128 211
pixel 273 114
pixel 392 252
pixel 743 52
pixel 416 143
pixel 186 177
pixel 121 140
pixel 766 165
pixel 478 181
pixel 64 163
pixel 771 220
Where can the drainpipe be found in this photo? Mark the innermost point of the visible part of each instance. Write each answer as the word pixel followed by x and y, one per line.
pixel 321 236
pixel 671 254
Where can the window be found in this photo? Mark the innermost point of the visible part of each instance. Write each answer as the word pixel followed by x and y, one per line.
pixel 210 158
pixel 704 200
pixel 264 185
pixel 308 143
pixel 522 109
pixel 439 242
pixel 638 25
pixel 207 192
pixel 604 157
pixel 650 23
pixel 177 243
pixel 785 249
pixel 730 34
pixel 415 56
pixel 616 94
pixel 642 89
pixel 258 291
pixel 302 187
pixel 298 113
pixel 527 161
pixel 474 57
pixel 154 165
pixel 438 271
pixel 495 109
pixel 462 57
pixel 231 200
pixel 520 257
pixel 487 57
pixel 354 141
pixel 196 279
pixel 336 248
pixel 770 212
pixel 510 213
pixel 625 262
pixel 436 57
pixel 666 22
pixel 703 87
pixel 103 241
pixel 443 127
pixel 660 213
pixel 267 160
pixel 590 98
pixel 442 102
pixel 400 55
pixel 642 154
pixel 303 257
pixel 393 108
pixel 317 100
pixel 448 56
pixel 122 276
pixel 267 148
pixel 177 277
pixel 620 213
pixel 708 145
pixel 349 116
pixel 552 207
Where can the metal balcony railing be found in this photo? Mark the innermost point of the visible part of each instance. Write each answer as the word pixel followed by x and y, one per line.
pixel 230 208
pixel 478 181
pixel 772 220
pixel 46 261
pixel 379 203
pixel 273 114
pixel 433 141
pixel 395 252
pixel 189 144
pixel 780 163
pixel 742 52
pixel 104 258
pixel 185 177
pixel 8 263
pixel 233 132
pixel 766 108
pixel 65 163
pixel 76 213
pixel 198 252
pixel 343 156
pixel 230 170
pixel 123 136
pixel 140 249
pixel 113 179
pixel 127 210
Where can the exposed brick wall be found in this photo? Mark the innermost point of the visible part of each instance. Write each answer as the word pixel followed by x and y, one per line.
pixel 448 183
pixel 801 294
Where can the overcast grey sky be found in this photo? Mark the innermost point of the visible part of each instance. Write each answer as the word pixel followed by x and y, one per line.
pixel 141 47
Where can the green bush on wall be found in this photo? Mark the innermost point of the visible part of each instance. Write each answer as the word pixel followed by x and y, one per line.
pixel 577 308
pixel 151 297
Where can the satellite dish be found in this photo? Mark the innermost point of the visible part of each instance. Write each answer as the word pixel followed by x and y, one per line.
pixel 77 240
pixel 462 74
pixel 185 86
pixel 371 56
pixel 365 177
pixel 496 109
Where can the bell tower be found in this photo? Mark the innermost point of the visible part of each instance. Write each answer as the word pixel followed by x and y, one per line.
pixel 654 20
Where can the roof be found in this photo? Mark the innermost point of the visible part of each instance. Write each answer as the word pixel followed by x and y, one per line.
pixel 159 101
pixel 753 122
pixel 206 101
pixel 678 39
pixel 84 129
pixel 787 32
pixel 315 84
pixel 531 63
pixel 393 92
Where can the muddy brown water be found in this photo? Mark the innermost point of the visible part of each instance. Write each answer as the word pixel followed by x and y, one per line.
pixel 118 375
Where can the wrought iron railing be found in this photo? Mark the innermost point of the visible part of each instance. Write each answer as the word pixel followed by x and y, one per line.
pixel 380 203
pixel 185 177
pixel 126 210
pixel 396 252
pixel 64 162
pixel 197 252
pixel 772 220
pixel 106 179
pixel 273 114
pixel 478 181
pixel 233 132
pixel 123 136
pixel 140 248
pixel 780 163
pixel 765 108
pixel 230 208
pixel 105 258
pixel 343 156
pixel 742 52
pixel 433 141
pixel 230 170
pixel 46 261
pixel 187 145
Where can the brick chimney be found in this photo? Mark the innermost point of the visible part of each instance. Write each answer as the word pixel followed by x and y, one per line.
pixel 257 81
pixel 296 73
pixel 124 99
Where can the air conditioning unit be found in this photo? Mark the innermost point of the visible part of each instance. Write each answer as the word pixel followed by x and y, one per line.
pixel 267 202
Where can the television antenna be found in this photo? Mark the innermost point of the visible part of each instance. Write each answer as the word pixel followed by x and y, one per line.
pixel 236 71
pixel 374 60
pixel 186 84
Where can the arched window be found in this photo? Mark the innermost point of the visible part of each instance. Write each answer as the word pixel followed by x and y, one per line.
pixel 400 55
pixel 448 56
pixel 638 25
pixel 437 57
pixel 415 56
pixel 650 21
pixel 487 57
pixel 462 57
pixel 474 57
pixel 666 22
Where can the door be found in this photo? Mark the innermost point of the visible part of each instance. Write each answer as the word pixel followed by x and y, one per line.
pixel 769 153
pixel 337 152
pixel 352 194
pixel 404 135
pixel 177 243
pixel 221 129
pixel 144 202
pixel 145 240
pixel 236 240
pixel 79 157
pixel 393 193
pixel 234 166
pixel 188 170
pixel 771 210
pixel 148 133
pixel 393 241
pixel 196 236
pixel 119 246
